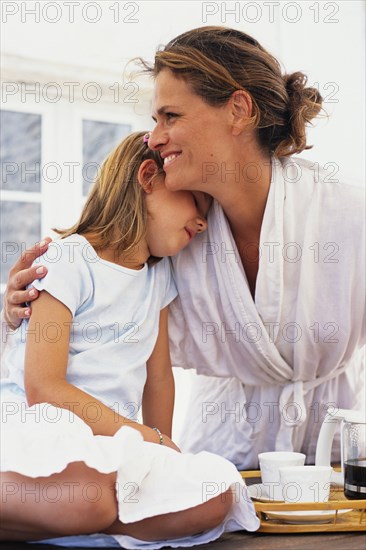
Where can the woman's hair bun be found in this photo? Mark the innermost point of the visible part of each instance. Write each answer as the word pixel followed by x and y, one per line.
pixel 304 104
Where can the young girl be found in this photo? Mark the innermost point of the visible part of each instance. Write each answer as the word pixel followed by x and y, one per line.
pixel 75 460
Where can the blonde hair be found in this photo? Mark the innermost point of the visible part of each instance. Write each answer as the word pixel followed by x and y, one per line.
pixel 115 212
pixel 217 61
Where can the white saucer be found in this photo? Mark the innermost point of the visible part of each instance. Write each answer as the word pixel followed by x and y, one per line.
pixel 259 492
pixel 306 516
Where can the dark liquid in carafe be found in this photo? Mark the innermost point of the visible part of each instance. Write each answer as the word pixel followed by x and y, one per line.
pixel 355 478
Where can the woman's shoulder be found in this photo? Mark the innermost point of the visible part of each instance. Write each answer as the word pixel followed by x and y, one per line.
pixel 325 180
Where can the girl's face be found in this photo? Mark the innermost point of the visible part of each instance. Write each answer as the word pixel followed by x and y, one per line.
pixel 193 138
pixel 173 219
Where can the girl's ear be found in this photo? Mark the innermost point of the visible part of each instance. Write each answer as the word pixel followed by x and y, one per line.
pixel 146 173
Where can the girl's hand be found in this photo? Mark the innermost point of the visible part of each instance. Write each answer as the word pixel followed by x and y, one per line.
pixel 167 442
pixel 21 275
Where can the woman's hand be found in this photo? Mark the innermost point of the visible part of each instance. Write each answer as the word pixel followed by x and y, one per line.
pixel 21 275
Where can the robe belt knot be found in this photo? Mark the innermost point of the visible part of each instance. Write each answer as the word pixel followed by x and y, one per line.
pixel 292 404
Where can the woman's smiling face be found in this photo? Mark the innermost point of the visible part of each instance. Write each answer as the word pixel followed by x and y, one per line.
pixel 192 136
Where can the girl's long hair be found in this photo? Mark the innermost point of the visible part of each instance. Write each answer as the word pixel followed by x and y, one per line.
pixel 114 214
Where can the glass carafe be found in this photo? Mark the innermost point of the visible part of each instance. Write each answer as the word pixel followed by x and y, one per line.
pixel 354 457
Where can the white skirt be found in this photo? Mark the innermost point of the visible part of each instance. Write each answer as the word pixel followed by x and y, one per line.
pixel 151 479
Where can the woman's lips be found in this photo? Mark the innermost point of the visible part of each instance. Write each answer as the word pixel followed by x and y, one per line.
pixel 169 159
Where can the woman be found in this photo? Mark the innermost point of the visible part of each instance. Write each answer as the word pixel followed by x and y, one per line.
pixel 271 301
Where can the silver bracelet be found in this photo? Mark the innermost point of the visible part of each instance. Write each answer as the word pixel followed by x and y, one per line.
pixel 159 434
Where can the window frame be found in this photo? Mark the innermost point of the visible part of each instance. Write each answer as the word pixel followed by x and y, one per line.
pixel 61 142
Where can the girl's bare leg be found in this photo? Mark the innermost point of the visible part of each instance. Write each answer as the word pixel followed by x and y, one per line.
pixel 77 501
pixel 178 524
pixel 80 500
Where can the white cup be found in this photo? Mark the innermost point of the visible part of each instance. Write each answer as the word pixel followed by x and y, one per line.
pixel 270 464
pixel 305 483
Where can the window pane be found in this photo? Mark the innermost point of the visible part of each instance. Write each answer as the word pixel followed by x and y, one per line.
pixel 20 227
pixel 20 140
pixel 99 138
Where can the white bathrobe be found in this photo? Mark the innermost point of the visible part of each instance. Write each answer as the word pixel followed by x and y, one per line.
pixel 271 366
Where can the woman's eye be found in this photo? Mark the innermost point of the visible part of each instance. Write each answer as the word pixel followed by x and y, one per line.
pixel 171 115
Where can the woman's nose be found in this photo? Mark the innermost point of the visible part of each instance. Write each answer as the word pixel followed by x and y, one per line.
pixel 158 138
pixel 201 224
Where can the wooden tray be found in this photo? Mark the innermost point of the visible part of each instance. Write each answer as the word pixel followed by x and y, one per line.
pixel 354 520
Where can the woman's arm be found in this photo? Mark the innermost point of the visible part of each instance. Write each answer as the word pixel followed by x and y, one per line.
pixel 20 275
pixel 158 396
pixel 46 360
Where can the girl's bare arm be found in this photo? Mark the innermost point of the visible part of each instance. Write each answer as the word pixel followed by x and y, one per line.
pixel 158 397
pixel 46 360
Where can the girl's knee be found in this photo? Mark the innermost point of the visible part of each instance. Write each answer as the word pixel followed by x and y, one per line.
pixel 93 506
pixel 92 517
pixel 77 501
